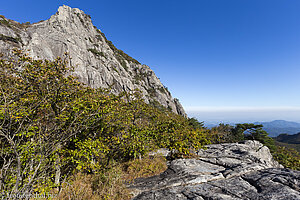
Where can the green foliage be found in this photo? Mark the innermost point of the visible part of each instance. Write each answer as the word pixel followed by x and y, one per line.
pixel 52 126
pixel 12 24
pixel 126 56
pixel 80 18
pixel 195 123
pixel 145 167
pixel 139 76
pixel 115 69
pixel 288 157
pixel 254 132
pixel 97 53
pixel 158 106
pixel 124 65
pixel 8 38
pixel 290 141
pixel 151 91
pixel 162 90
pixel 99 37
pixel 221 134
pixel 29 98
pixel 4 22
pixel 119 53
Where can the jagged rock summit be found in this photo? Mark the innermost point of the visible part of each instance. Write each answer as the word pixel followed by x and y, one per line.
pixel 97 62
pixel 232 171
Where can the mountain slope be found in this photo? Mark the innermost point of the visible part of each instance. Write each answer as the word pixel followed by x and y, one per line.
pixel 291 141
pixel 97 62
pixel 277 127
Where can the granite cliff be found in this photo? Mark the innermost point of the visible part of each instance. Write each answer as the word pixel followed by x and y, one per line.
pixel 97 62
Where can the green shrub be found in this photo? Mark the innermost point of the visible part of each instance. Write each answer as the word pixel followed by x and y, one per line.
pixel 145 167
pixel 53 127
pixel 124 65
pixel 288 157
pixel 97 53
pixel 162 90
pixel 99 37
pixel 151 91
pixel 119 53
pixel 5 22
pixel 8 38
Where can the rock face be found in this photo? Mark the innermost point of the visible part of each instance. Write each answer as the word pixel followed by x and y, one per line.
pixel 97 62
pixel 223 171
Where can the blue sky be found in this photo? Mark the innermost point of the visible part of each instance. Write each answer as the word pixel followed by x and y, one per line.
pixel 215 56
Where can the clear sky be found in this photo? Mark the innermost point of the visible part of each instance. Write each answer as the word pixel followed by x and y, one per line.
pixel 215 56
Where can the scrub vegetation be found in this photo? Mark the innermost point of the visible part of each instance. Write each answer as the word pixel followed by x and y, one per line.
pixel 57 134
pixel 61 137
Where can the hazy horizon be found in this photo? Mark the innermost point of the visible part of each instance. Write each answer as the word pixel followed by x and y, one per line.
pixel 244 114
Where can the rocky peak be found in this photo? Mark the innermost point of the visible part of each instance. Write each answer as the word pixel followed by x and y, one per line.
pixel 64 13
pixel 71 18
pixel 97 62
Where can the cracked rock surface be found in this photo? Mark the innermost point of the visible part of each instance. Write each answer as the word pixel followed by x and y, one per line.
pixel 243 170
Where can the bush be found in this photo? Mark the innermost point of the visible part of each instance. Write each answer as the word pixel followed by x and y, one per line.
pixel 106 185
pixel 148 166
pixel 97 53
pixel 53 127
pixel 8 38
pixel 288 157
pixel 5 22
pixel 119 53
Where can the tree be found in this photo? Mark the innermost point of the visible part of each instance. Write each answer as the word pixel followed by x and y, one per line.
pixel 254 132
pixel 41 110
pixel 195 123
pixel 222 133
pixel 52 126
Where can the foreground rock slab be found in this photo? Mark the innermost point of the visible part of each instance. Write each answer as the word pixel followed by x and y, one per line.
pixel 223 171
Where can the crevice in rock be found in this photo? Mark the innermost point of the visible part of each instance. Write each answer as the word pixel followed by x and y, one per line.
pixel 187 195
pixel 227 168
pixel 203 196
pixel 225 191
pixel 259 148
pixel 253 183
pixel 288 183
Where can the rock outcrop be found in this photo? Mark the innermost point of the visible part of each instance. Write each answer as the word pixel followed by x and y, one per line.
pixel 97 62
pixel 223 171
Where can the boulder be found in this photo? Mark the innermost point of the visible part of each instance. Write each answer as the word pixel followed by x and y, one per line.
pixel 244 170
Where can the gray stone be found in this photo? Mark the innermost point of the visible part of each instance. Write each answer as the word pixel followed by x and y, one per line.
pixel 162 152
pixel 223 171
pixel 97 63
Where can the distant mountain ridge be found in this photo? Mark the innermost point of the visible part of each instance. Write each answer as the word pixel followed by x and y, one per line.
pixel 291 139
pixel 274 128
pixel 277 127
